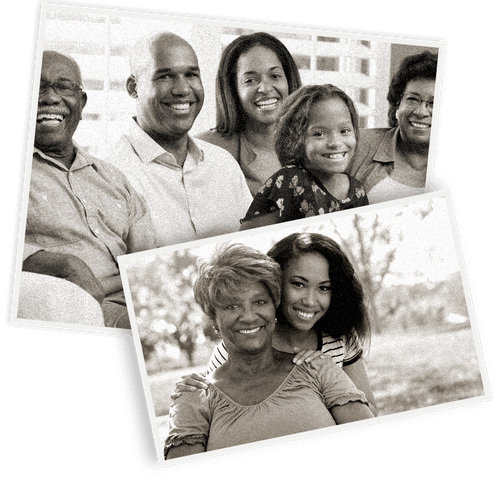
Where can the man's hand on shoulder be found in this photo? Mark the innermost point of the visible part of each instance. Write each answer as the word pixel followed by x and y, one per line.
pixel 67 267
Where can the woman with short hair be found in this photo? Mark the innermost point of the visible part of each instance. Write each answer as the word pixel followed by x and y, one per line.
pixel 392 162
pixel 259 392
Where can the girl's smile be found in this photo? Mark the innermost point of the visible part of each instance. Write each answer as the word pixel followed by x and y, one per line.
pixel 330 138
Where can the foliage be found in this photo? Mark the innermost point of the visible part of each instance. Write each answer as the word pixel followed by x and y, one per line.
pixel 167 316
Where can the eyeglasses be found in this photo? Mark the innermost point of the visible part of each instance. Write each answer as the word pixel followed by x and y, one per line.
pixel 62 88
pixel 414 101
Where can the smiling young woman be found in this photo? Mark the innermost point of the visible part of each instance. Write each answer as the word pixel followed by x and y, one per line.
pixel 256 74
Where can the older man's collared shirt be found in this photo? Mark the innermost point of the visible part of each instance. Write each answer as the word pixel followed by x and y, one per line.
pixel 89 210
pixel 205 197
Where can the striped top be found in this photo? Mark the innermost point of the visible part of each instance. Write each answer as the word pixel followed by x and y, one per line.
pixel 343 353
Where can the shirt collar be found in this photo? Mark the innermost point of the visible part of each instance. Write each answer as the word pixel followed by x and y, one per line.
pixel 82 159
pixel 386 152
pixel 149 151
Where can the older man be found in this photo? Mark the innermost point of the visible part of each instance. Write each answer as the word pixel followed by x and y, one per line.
pixel 82 212
pixel 193 189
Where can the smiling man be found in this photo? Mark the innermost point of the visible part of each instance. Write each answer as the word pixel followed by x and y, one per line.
pixel 82 212
pixel 193 189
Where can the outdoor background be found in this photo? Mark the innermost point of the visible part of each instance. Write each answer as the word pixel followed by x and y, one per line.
pixel 422 349
pixel 101 45
pixel 64 413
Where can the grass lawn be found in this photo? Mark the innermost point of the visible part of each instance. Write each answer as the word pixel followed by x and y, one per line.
pixel 406 371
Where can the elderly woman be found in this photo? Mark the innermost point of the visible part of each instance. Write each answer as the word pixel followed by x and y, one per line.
pixel 258 393
pixel 256 74
pixel 392 162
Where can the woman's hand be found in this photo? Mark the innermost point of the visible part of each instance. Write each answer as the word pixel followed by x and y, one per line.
pixel 189 383
pixel 307 355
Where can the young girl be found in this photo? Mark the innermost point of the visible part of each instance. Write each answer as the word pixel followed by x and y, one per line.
pixel 316 137
pixel 322 310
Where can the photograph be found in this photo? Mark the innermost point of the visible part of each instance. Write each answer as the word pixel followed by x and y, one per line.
pixel 153 130
pixel 82 404
pixel 289 330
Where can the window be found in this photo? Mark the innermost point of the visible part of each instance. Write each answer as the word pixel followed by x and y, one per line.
pixel 327 63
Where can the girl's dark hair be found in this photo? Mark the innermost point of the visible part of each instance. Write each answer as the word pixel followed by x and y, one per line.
pixel 418 66
pixel 347 314
pixel 291 129
pixel 229 114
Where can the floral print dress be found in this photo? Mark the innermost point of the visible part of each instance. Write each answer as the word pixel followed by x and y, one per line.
pixel 296 193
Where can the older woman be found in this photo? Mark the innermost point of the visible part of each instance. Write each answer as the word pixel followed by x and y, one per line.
pixel 392 162
pixel 256 74
pixel 258 393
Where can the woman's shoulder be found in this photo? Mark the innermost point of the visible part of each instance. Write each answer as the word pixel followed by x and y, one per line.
pixel 230 143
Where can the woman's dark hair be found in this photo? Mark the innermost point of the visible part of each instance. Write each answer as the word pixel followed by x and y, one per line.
pixel 291 129
pixel 347 314
pixel 418 66
pixel 229 114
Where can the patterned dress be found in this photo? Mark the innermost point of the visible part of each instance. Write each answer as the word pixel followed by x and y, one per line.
pixel 296 193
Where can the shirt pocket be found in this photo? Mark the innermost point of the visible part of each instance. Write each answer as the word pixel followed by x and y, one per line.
pixel 53 221
pixel 112 213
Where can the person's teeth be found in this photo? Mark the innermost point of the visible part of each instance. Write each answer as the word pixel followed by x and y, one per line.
pixel 249 331
pixel 336 156
pixel 183 106
pixel 305 315
pixel 50 116
pixel 267 102
pixel 420 125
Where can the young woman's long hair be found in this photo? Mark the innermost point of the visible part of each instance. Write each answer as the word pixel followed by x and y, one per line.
pixel 229 114
pixel 347 314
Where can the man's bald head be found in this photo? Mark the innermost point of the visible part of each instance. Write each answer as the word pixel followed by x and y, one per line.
pixel 146 48
pixel 166 84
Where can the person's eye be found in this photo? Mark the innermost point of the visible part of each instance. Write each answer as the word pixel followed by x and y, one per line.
pixel 345 131
pixel 193 75
pixel 317 134
pixel 299 285
pixel 262 302
pixel 231 306
pixel 413 100
pixel 325 288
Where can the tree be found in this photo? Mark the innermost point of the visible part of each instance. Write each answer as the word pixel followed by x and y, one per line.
pixel 162 295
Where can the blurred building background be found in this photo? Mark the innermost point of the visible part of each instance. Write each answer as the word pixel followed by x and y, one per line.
pixel 101 44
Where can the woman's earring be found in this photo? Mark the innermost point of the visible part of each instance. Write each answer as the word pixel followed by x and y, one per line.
pixel 216 329
pixel 397 115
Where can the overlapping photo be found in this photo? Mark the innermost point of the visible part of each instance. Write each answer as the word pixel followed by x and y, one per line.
pixel 304 328
pixel 153 130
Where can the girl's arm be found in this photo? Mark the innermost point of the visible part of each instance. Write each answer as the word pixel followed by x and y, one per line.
pixel 350 412
pixel 357 373
pixel 262 220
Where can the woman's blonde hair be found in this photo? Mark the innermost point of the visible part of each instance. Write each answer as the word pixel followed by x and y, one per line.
pixel 232 266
